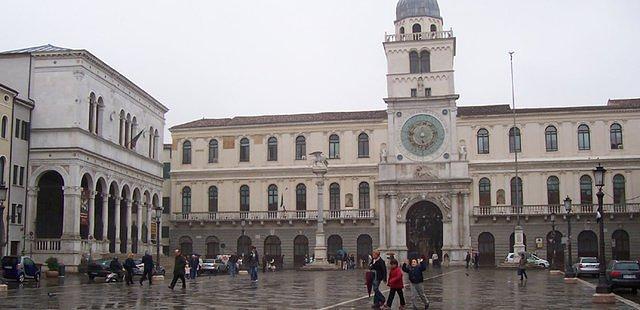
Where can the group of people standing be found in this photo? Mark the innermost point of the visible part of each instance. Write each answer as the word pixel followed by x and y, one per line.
pixel 472 258
pixel 130 265
pixel 413 268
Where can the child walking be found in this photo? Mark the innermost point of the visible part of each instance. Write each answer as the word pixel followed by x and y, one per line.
pixel 395 283
pixel 415 277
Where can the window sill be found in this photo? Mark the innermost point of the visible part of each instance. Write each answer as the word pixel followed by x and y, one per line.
pixel 365 157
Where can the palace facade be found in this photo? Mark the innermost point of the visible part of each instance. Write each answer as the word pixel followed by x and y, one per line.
pixel 423 176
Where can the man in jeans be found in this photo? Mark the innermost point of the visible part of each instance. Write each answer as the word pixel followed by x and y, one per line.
pixel 380 275
pixel 233 263
pixel 253 264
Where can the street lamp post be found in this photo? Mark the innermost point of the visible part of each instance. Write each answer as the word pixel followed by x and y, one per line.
pixel 603 287
pixel 158 217
pixel 554 264
pixel 569 274
pixel 3 197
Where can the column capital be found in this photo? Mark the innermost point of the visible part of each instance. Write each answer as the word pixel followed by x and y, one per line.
pixel 33 190
pixel 393 195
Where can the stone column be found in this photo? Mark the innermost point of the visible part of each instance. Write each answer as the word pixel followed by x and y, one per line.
pixel 128 221
pixel 71 221
pixel 117 222
pixel 149 212
pixel 382 221
pixel 393 221
pixel 466 221
pixel 320 251
pixel 455 219
pixel 139 224
pixel 31 211
pixel 105 216
pixel 92 212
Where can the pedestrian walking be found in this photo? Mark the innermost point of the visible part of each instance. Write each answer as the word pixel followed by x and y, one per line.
pixel 467 259
pixel 415 270
pixel 253 260
pixel 396 284
pixel 522 267
pixel 476 260
pixel 178 270
pixel 116 267
pixel 129 264
pixel 434 259
pixel 147 273
pixel 233 265
pixel 380 275
pixel 194 263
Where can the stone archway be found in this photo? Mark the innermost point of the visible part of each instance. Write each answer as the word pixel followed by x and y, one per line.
pixel 424 230
pixel 50 206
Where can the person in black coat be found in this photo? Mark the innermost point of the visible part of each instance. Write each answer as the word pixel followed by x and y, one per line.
pixel 129 265
pixel 178 270
pixel 380 270
pixel 116 267
pixel 415 270
pixel 147 260
pixel 253 262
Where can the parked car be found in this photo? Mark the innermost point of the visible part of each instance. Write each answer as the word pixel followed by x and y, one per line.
pixel 213 266
pixel 139 270
pixel 532 259
pixel 20 268
pixel 624 274
pixel 99 268
pixel 587 265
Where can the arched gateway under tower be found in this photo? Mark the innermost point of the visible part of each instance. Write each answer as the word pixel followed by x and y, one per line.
pixel 424 230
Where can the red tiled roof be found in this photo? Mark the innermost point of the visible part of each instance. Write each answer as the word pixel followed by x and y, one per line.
pixel 285 119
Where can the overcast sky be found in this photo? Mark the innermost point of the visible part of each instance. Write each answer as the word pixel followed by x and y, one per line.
pixel 248 57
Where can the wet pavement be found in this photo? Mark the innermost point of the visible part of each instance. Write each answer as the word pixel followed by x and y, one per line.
pixel 451 288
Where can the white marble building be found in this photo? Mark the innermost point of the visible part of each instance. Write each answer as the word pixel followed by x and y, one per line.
pixel 94 172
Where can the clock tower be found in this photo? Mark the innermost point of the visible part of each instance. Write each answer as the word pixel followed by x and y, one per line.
pixel 424 185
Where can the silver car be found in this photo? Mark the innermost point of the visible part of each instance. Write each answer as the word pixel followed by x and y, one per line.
pixel 587 265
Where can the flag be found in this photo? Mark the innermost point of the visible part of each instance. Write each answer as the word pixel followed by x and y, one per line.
pixel 135 139
pixel 599 214
pixel 282 202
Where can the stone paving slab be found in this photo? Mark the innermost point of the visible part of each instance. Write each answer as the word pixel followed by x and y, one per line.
pixel 446 288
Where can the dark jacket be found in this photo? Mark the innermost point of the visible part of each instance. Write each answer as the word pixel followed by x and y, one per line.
pixel 380 268
pixel 115 266
pixel 415 273
pixel 147 260
pixel 233 258
pixel 129 264
pixel 253 259
pixel 180 263
pixel 468 258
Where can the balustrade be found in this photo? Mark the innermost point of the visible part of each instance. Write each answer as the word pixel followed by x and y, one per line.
pixel 271 215
pixel 557 209
pixel 420 36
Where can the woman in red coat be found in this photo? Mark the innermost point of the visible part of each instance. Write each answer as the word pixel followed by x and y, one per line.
pixel 395 283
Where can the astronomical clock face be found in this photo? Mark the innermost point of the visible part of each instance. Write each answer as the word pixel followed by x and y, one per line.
pixel 422 135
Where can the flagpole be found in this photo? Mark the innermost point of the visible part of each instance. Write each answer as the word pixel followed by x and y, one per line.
pixel 518 233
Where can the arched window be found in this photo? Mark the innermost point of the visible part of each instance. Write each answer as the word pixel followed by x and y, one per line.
pixel 364 199
pixel 121 128
pixel 92 108
pixel 186 200
pixel 619 189
pixel 516 192
pixel 2 169
pixel 244 150
pixel 213 151
pixel 434 28
pixel 515 142
pixel 5 121
pixel 301 147
pixel 414 62
pixel 586 190
pixel 272 197
pixel 99 111
pixel 186 152
pixel 363 145
pixel 484 192
pixel 301 197
pixel 616 136
pixel 553 190
pixel 551 138
pixel 155 144
pixel 334 146
pixel 151 142
pixel 334 197
pixel 244 198
pixel 127 130
pixel 416 28
pixel 483 141
pixel 401 30
pixel 213 199
pixel 584 138
pixel 272 149
pixel 134 132
pixel 425 62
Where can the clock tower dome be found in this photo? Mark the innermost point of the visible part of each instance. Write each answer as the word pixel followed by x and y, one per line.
pixel 425 171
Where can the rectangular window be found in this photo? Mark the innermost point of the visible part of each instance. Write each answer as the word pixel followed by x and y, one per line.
pixel 165 232
pixel 414 92
pixel 17 129
pixel 27 131
pixel 166 205
pixel 23 131
pixel 427 92
pixel 13 213
pixel 166 171
pixel 19 214
pixel 21 176
pixel 15 175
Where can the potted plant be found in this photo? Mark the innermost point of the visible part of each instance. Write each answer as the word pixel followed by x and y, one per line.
pixel 53 266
